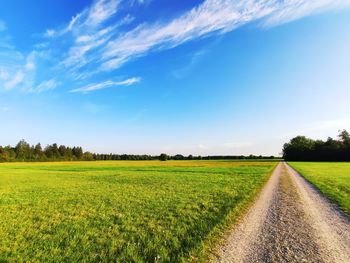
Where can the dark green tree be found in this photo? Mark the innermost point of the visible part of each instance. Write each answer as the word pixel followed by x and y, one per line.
pixel 22 150
pixel 344 137
pixel 62 151
pixel 163 157
pixel 88 156
pixel 301 148
pixel 77 152
pixel 38 152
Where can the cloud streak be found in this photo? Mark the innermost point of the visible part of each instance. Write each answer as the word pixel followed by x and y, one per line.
pixel 103 48
pixel 106 84
pixel 295 9
pixel 18 71
pixel 211 17
pixel 46 85
pixel 15 80
pixel 101 39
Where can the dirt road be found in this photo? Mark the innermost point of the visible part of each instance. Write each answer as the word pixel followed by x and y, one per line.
pixel 290 222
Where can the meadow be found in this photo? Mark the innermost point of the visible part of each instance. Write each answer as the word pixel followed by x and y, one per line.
pixel 332 179
pixel 123 211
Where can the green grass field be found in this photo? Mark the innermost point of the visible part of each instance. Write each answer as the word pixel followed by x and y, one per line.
pixel 332 179
pixel 146 211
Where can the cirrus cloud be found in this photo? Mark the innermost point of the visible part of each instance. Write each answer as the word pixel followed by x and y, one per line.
pixel 100 39
pixel 107 48
pixel 106 84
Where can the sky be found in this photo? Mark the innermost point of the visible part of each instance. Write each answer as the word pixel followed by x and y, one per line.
pixel 191 77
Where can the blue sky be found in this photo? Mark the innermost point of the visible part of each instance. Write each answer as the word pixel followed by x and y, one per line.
pixel 152 76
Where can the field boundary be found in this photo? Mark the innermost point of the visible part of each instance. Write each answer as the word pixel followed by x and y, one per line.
pixel 333 202
pixel 222 232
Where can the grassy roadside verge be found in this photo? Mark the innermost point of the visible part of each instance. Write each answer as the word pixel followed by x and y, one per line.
pixel 208 250
pixel 331 179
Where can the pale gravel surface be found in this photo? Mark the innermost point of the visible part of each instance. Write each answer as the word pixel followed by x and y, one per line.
pixel 289 222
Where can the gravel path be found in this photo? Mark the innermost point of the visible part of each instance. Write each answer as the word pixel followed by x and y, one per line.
pixel 290 222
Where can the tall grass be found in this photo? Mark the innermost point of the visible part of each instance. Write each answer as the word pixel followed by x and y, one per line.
pixel 332 179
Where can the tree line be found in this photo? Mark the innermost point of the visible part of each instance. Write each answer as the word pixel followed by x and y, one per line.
pixel 24 152
pixel 302 148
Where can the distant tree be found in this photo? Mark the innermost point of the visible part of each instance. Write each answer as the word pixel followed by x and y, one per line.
pixel 77 152
pixel 11 153
pixel 4 155
pixel 26 152
pixel 88 156
pixel 344 137
pixel 69 154
pixel 55 151
pixel 22 150
pixel 38 152
pixel 62 150
pixel 298 149
pixel 301 148
pixel 163 157
pixel 178 157
pixel 49 152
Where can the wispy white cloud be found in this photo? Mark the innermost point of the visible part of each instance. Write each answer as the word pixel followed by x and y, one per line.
pixel 88 19
pixel 100 46
pixel 212 16
pixel 15 80
pixel 97 40
pixel 45 86
pixel 50 33
pixel 41 45
pixel 87 33
pixel 290 10
pixel 143 2
pixel 18 71
pixel 4 75
pixel 107 84
pixel 101 11
pixel 11 68
pixel 194 60
pixel 30 62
